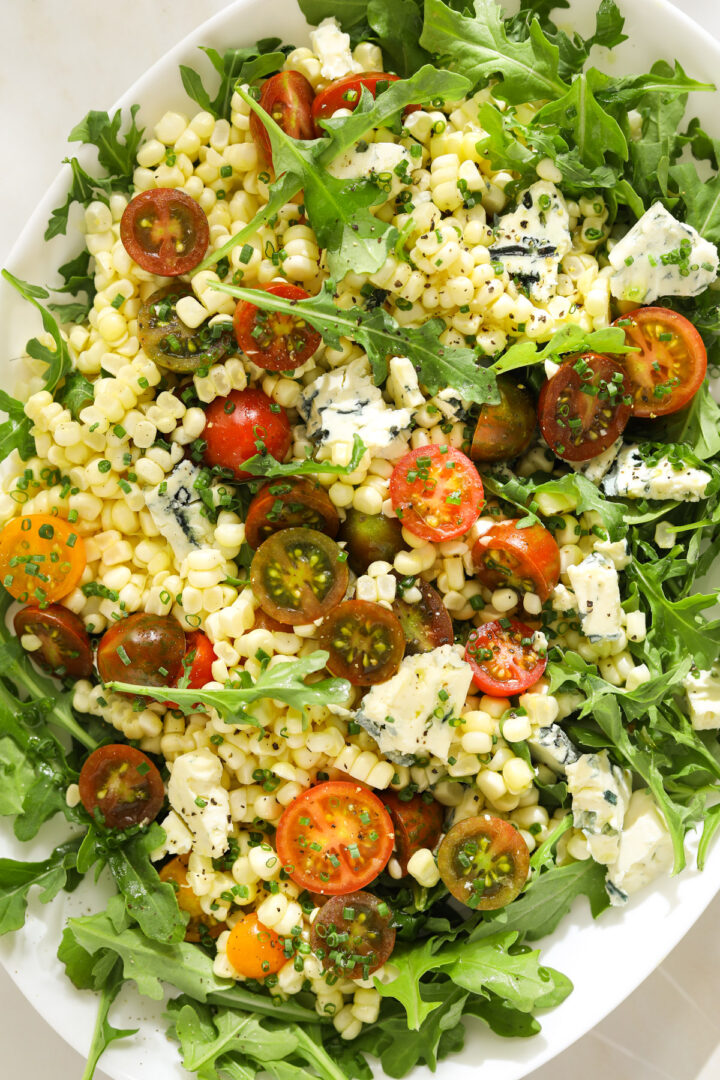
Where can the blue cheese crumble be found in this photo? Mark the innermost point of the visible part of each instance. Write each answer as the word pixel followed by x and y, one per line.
pixel 703 694
pixel 597 590
pixel 531 241
pixel 644 852
pixel 177 510
pixel 633 478
pixel 600 797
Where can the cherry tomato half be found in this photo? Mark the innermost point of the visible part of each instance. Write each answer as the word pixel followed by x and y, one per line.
pixel 165 231
pixel 484 862
pixel 198 659
pixel 503 659
pixel 436 492
pixel 427 623
pixel 253 949
pixel 286 504
pixel 123 784
pixel 144 649
pixel 297 575
pixel 671 364
pixel 418 824
pixel 243 424
pixel 524 559
pixel 167 340
pixel 352 934
pixel 65 649
pixel 345 93
pixel 199 925
pixel 370 538
pixel 505 430
pixel 271 339
pixel 288 98
pixel 42 558
pixel 584 407
pixel 364 640
pixel 335 838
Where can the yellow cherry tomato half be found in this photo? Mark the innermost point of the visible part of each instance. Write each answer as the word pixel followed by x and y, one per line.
pixel 254 950
pixel 42 558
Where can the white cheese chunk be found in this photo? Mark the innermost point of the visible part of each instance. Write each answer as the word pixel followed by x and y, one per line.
pixel 645 850
pixel 176 508
pixel 632 478
pixel 178 838
pixel 596 468
pixel 332 48
pixel 408 715
pixel 452 406
pixel 703 694
pixel 661 256
pixel 402 384
pixel 597 590
pixel 600 796
pixel 614 550
pixel 531 241
pixel 344 403
pixel 196 793
pixel 552 747
pixel 372 160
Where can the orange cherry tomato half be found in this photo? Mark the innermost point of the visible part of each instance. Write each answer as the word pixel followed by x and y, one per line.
pixel 505 430
pixel 42 558
pixel 436 492
pixel 271 339
pixel 241 425
pixel 345 93
pixel 253 949
pixel 484 862
pixel 670 367
pixel 524 559
pixel 199 925
pixel 365 642
pixel 298 576
pixel 165 231
pixel 352 934
pixel 287 504
pixel 123 784
pixel 144 649
pixel 418 824
pixel 335 838
pixel 426 624
pixel 65 649
pixel 288 98
pixel 584 407
pixel 503 659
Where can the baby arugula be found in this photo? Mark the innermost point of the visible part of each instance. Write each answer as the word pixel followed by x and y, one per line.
pixel 233 66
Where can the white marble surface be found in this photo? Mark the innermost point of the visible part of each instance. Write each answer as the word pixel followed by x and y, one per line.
pixel 57 60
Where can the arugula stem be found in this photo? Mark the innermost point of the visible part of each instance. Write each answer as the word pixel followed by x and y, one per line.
pixel 316 1055
pixel 239 998
pixel 59 712
pixel 277 200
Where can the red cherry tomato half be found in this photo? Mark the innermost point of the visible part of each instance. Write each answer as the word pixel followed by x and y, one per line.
pixel 241 425
pixel 287 504
pixel 165 231
pixel 197 662
pixel 272 340
pixel 345 93
pixel 503 659
pixel 670 367
pixel 418 824
pixel 436 492
pixel 65 649
pixel 484 862
pixel 288 98
pixel 123 784
pixel 335 838
pixel 353 934
pixel 584 407
pixel 524 559
pixel 364 640
pixel 144 649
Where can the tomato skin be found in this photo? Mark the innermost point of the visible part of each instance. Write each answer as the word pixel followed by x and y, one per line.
pixel 370 538
pixel 418 824
pixel 297 575
pixel 525 559
pixel 505 430
pixel 340 814
pixel 287 504
pixel 253 949
pixel 272 340
pixel 603 416
pixel 364 640
pixel 369 934
pixel 153 645
pixel 338 95
pixel 421 484
pixel 661 362
pixel 165 231
pixel 236 425
pixel 123 784
pixel 47 546
pixel 498 862
pixel 288 98
pixel 65 650
pixel 199 923
pixel 166 339
pixel 426 624
pixel 513 668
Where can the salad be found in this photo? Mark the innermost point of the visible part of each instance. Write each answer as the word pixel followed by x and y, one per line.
pixel 355 503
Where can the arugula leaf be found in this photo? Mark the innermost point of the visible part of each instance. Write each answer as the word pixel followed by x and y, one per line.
pixel 698 426
pixel 478 46
pixel 77 279
pixel 710 828
pixel 568 339
pixel 412 962
pixel 15 431
pixel 396 29
pixel 502 1019
pixel 573 48
pixel 234 66
pixel 438 366
pixel 268 466
pixel 83 189
pixel 76 392
pixel 152 903
pixel 50 876
pixel 16 777
pixel 580 492
pixel 103 1032
pixel 284 682
pixel 677 626
pixel 701 199
pixel 583 122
